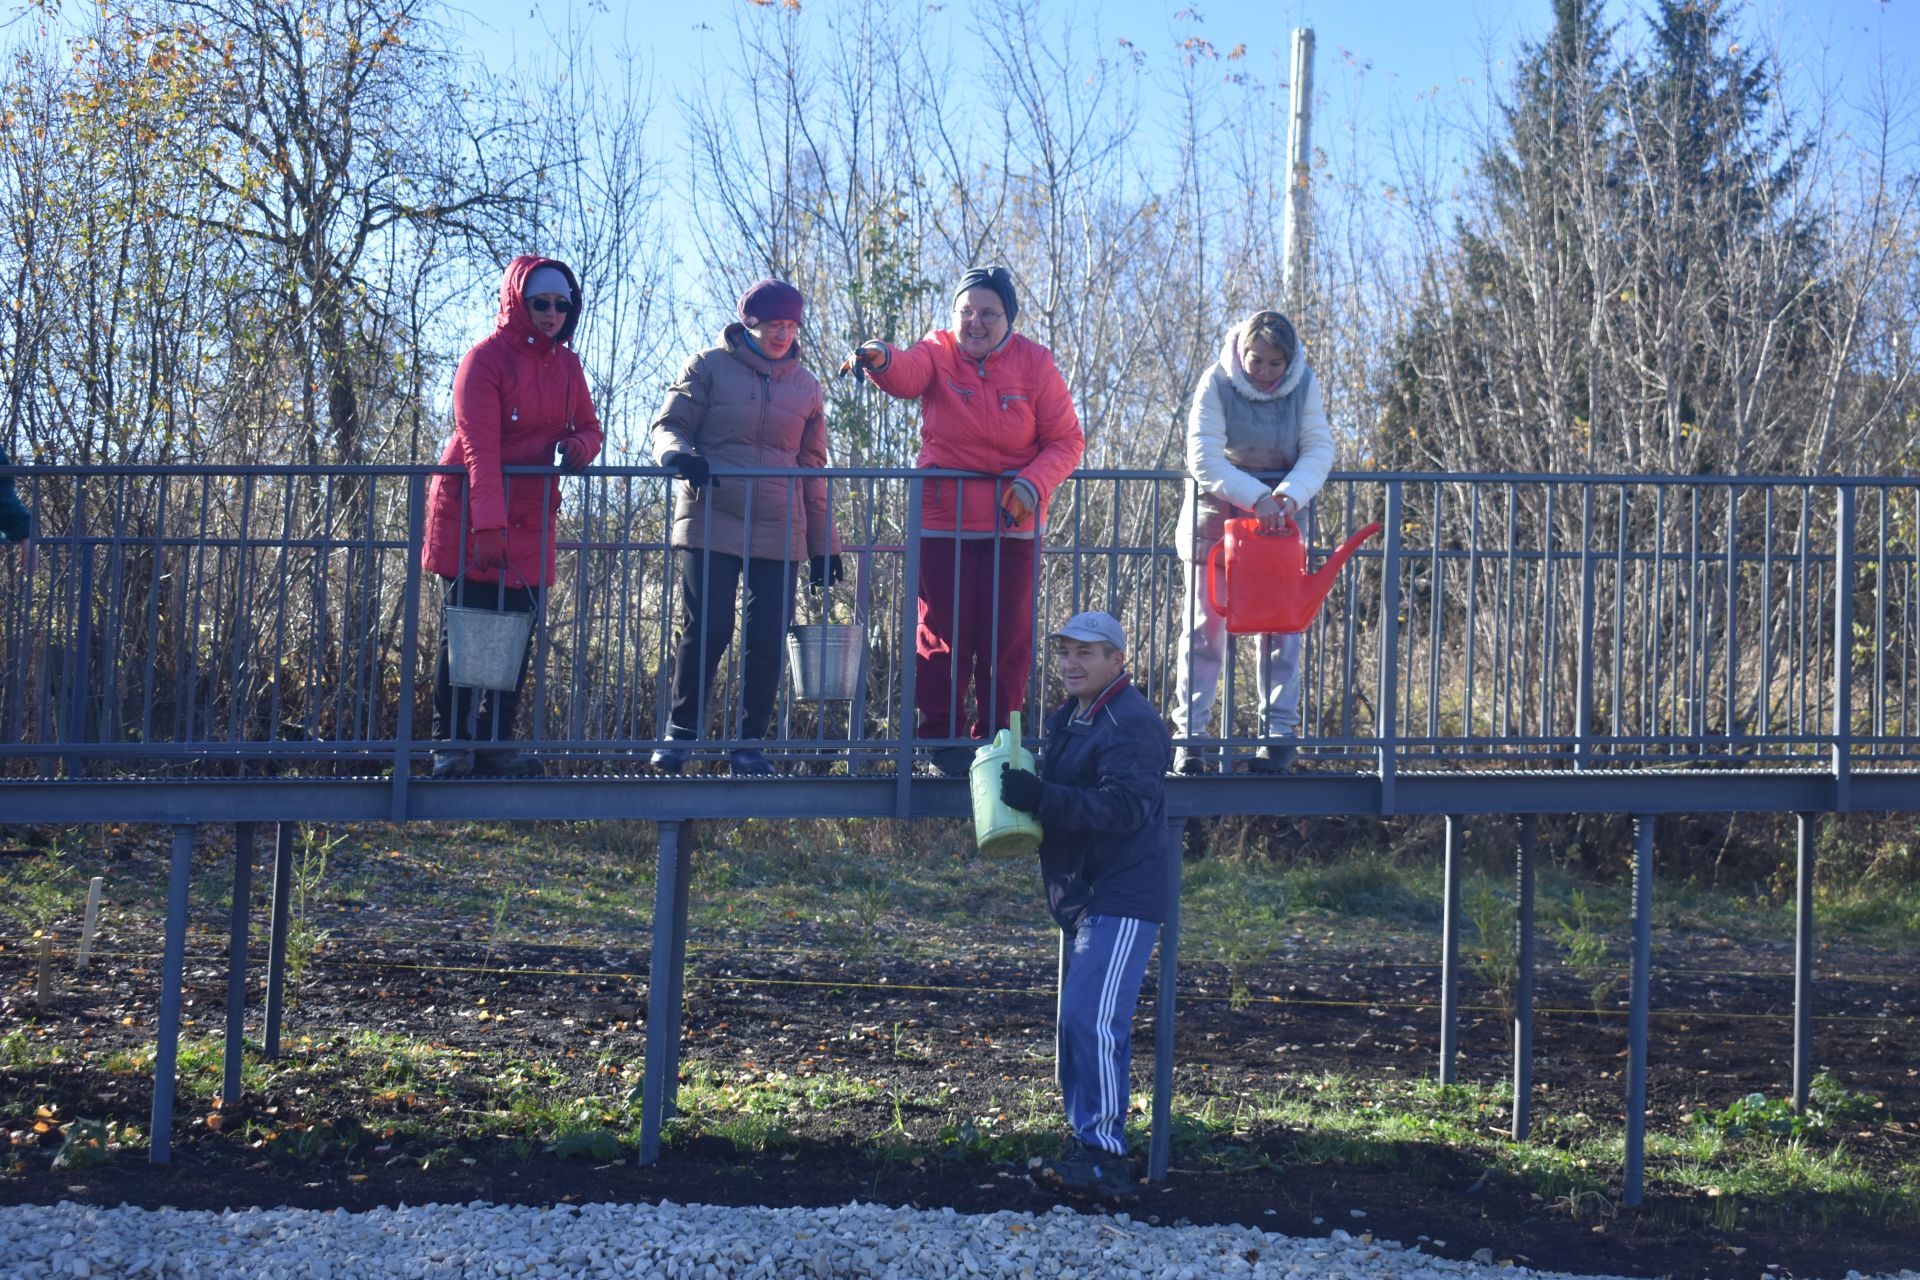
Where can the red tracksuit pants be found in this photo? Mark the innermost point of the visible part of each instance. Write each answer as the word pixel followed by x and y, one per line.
pixel 976 626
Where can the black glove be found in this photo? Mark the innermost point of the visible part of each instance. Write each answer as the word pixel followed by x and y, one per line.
pixel 824 571
pixel 1020 789
pixel 691 467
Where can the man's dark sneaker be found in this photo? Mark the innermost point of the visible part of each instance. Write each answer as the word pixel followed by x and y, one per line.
pixel 953 762
pixel 1188 762
pixel 750 762
pixel 671 759
pixel 505 764
pixel 452 764
pixel 1275 757
pixel 1088 1173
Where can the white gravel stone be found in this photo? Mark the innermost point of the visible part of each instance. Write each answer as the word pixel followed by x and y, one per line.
pixel 851 1242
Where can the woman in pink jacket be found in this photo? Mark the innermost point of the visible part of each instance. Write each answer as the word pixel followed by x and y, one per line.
pixel 992 402
pixel 519 399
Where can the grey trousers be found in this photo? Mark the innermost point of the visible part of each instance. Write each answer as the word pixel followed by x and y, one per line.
pixel 1203 651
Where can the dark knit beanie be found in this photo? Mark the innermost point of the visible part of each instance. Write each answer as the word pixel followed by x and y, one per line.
pixel 771 300
pixel 996 278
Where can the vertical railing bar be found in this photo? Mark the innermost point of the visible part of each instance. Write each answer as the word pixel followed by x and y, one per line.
pixel 1435 596
pixel 1618 700
pixel 1504 682
pixel 1696 626
pixel 1731 644
pixel 1843 577
pixel 403 733
pixel 1803 659
pixel 1410 602
pixel 909 668
pixel 1879 642
pixel 322 581
pixel 1389 643
pixel 1660 716
pixel 188 719
pixel 242 613
pixel 1469 671
pixel 150 695
pixel 1764 693
pixel 1549 613
pixel 1583 681
pixel 285 577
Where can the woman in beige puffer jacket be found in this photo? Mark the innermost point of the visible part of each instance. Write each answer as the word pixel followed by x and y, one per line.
pixel 748 402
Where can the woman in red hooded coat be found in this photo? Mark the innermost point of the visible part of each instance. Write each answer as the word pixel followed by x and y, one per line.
pixel 519 399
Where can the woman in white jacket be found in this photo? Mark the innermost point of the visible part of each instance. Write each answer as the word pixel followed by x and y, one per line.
pixel 1256 411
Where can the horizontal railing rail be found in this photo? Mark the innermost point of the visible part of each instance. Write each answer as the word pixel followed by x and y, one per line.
pixel 230 619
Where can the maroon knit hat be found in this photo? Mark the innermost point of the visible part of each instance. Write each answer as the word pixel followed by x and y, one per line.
pixel 771 300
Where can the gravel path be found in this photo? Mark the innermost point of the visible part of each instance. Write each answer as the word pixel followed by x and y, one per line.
pixel 674 1240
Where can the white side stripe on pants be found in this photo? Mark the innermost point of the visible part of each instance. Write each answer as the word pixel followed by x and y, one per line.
pixel 1113 1096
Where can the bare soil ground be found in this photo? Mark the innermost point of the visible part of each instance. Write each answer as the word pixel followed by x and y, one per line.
pixel 933 1073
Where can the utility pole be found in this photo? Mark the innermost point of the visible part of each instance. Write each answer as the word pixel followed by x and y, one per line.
pixel 1296 228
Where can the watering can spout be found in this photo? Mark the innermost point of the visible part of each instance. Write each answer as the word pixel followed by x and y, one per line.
pixel 1319 583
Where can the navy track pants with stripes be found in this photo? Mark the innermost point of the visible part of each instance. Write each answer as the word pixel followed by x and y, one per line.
pixel 1106 961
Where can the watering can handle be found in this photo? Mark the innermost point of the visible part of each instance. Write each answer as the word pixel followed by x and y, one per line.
pixel 1213 578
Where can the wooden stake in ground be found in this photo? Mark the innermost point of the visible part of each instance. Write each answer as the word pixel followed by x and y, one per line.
pixel 92 921
pixel 43 989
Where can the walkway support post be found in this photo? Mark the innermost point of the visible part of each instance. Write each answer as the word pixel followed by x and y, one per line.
pixel 1638 1009
pixel 1160 1152
pixel 237 961
pixel 277 937
pixel 1450 953
pixel 173 963
pixel 1803 965
pixel 1523 979
pixel 663 1011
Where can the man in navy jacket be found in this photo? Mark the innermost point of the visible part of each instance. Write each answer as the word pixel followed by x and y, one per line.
pixel 1101 800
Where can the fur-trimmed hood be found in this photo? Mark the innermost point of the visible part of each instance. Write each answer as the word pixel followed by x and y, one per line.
pixel 1230 362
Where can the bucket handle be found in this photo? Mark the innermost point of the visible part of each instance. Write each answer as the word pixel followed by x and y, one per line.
pixel 823 608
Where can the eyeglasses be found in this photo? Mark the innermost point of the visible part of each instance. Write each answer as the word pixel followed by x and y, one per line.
pixel 984 317
pixel 562 305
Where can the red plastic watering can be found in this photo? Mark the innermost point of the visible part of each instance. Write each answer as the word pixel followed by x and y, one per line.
pixel 1268 588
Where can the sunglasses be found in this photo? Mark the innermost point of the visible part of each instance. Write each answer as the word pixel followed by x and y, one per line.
pixel 561 305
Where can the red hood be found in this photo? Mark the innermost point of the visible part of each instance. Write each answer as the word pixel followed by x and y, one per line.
pixel 514 316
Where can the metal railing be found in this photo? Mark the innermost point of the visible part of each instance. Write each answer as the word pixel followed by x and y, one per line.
pixel 245 619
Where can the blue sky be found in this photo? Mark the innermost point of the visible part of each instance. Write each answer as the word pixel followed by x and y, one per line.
pixel 1410 47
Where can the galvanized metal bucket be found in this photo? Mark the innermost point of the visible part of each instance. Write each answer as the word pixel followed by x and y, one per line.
pixel 826 659
pixel 485 646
